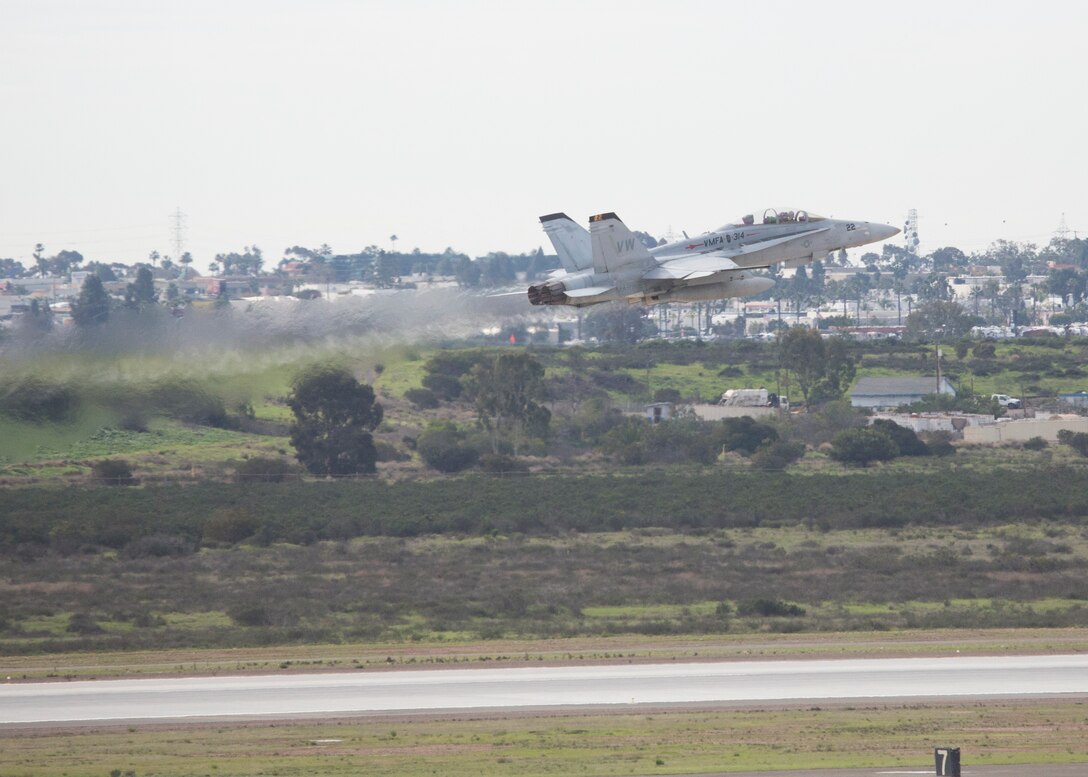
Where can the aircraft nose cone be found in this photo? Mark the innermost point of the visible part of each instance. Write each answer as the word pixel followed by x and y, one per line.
pixel 880 232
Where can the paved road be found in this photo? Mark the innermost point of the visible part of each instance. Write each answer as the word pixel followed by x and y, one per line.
pixel 313 695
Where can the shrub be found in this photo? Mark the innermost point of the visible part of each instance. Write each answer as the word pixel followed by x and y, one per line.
pixel 113 472
pixel 422 398
pixel 444 387
pixel 769 608
pixel 34 401
pixel 667 395
pixel 229 525
pixel 263 469
pixel 250 614
pixel 83 623
pixel 863 446
pixel 499 463
pixel 905 439
pixel 442 447
pixel 1036 444
pixel 389 452
pixel 159 546
pixel 745 435
pixel 679 440
pixel 778 455
pixel 189 401
pixel 1078 441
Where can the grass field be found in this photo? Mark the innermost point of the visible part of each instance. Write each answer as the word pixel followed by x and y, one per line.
pixel 509 652
pixel 650 742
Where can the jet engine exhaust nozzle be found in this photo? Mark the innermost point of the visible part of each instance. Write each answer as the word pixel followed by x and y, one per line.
pixel 553 293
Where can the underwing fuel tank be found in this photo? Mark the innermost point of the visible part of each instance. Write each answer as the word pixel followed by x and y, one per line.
pixel 744 287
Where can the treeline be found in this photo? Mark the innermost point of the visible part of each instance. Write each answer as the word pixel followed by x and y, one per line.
pixel 72 519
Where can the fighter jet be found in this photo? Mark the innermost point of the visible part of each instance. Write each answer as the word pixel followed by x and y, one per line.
pixel 609 263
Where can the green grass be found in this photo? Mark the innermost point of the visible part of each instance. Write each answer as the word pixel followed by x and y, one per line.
pixel 630 742
pixel 402 372
pixel 197 621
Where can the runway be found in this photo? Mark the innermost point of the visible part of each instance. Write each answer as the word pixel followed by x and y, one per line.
pixel 446 690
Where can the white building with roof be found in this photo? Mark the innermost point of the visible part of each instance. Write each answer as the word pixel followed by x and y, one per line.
pixel 890 393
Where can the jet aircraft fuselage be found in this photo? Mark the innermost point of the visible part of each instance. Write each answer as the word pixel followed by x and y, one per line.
pixel 609 263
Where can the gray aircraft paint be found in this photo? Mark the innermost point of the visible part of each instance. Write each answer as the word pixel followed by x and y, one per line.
pixel 609 263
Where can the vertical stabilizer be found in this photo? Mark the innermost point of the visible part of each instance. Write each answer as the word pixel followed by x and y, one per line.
pixel 570 240
pixel 615 247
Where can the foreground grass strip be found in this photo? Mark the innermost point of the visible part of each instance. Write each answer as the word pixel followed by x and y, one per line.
pixel 643 743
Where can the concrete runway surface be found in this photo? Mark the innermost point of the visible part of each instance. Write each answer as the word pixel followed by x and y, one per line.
pixel 249 697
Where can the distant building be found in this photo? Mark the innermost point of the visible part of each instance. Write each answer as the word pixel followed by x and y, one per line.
pixel 658 411
pixel 1021 430
pixel 890 393
pixel 1078 399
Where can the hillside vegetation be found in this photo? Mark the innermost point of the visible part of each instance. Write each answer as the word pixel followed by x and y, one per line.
pixel 601 526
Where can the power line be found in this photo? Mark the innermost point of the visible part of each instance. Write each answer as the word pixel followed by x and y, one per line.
pixel 49 232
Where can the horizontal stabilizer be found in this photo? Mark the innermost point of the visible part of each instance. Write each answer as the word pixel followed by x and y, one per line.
pixel 518 293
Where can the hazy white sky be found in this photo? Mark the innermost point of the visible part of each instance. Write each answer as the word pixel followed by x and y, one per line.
pixel 457 124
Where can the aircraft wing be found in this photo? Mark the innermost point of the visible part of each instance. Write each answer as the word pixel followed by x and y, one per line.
pixel 692 267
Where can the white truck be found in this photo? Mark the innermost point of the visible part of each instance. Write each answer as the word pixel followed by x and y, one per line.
pixel 1007 402
pixel 749 398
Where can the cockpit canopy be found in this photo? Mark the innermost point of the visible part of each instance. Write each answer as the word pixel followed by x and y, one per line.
pixel 775 216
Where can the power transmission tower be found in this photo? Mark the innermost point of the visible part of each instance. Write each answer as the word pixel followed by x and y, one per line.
pixel 910 232
pixel 1062 232
pixel 178 229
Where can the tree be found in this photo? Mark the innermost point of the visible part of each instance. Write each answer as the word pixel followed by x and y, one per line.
pixel 38 319
pixel 40 262
pixel 506 392
pixel 10 268
pixel 92 307
pixel 1067 283
pixel 839 371
pixel 618 324
pixel 948 259
pixel 823 370
pixel 249 262
pixel 939 319
pixel 103 271
pixel 64 262
pixel 335 416
pixel 141 292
